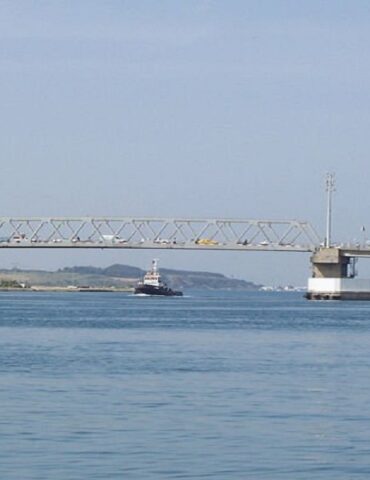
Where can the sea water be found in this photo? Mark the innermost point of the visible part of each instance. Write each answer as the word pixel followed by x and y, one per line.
pixel 212 385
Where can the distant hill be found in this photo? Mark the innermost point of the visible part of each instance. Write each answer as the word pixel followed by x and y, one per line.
pixel 123 276
pixel 116 270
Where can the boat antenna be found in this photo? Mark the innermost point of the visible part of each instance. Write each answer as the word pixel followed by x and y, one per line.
pixel 330 188
pixel 154 265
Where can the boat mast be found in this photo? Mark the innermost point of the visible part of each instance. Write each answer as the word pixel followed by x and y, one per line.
pixel 154 265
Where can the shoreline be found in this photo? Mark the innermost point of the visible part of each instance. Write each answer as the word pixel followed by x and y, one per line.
pixel 40 288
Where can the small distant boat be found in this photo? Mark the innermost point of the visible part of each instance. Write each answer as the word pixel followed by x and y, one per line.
pixel 153 285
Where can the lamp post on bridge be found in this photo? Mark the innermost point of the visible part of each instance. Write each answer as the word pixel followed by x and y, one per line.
pixel 330 188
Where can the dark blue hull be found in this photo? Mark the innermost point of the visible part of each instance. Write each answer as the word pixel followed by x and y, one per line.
pixel 151 290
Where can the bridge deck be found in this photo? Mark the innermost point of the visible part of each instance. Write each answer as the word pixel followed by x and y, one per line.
pixel 164 233
pixel 354 251
pixel 150 245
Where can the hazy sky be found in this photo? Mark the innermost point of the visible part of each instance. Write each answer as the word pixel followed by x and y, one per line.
pixel 185 108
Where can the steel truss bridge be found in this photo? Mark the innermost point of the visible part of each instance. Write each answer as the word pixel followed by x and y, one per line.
pixel 164 233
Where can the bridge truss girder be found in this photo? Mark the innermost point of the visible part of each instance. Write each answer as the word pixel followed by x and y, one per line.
pixel 165 233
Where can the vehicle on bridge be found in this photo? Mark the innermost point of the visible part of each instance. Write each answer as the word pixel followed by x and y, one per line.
pixel 205 241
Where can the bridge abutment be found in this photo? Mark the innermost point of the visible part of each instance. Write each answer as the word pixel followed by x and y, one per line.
pixel 333 277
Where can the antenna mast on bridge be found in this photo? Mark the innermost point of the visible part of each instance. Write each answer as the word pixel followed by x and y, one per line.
pixel 330 188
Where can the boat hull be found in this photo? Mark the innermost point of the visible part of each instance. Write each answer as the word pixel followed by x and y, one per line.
pixel 154 290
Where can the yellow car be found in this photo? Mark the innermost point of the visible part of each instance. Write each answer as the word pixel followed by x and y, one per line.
pixel 205 241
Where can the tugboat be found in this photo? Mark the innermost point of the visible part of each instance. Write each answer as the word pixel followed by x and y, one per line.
pixel 153 285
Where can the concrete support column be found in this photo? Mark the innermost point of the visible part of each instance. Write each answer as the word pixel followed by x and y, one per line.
pixel 329 263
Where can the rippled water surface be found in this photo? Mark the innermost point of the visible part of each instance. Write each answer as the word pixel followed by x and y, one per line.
pixel 220 386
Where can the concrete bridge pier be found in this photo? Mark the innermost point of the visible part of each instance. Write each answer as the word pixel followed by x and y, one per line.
pixel 333 276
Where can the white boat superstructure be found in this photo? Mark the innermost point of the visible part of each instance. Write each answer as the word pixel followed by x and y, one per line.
pixel 152 277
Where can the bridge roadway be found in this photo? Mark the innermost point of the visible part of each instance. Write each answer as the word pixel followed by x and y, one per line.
pixel 163 233
pixel 353 251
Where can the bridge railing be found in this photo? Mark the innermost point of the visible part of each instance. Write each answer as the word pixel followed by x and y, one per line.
pixel 129 232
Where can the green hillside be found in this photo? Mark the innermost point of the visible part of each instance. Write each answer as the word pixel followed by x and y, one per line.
pixel 121 276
